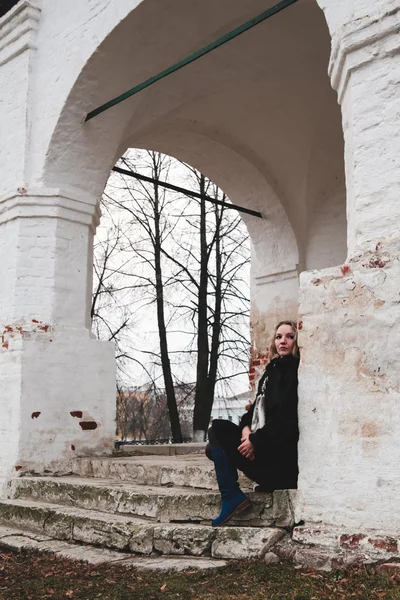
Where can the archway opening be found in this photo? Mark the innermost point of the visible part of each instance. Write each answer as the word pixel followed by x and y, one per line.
pixel 171 290
pixel 258 116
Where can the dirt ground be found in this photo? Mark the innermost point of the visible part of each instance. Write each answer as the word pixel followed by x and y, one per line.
pixel 31 576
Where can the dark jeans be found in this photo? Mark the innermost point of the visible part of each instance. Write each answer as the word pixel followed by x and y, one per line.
pixel 227 436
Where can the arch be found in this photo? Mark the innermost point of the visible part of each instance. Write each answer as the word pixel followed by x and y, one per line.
pixel 224 97
pixel 247 115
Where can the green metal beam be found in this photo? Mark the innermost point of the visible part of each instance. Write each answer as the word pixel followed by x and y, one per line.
pixel 196 55
pixel 176 188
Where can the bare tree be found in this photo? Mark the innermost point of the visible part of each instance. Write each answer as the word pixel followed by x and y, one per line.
pixel 187 259
pixel 147 210
pixel 220 259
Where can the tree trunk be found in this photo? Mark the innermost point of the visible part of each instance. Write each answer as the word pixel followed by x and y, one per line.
pixel 216 325
pixel 201 417
pixel 162 330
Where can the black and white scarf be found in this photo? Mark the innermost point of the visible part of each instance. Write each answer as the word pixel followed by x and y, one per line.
pixel 258 419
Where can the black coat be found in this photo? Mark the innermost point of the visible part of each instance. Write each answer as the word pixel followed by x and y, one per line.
pixel 275 444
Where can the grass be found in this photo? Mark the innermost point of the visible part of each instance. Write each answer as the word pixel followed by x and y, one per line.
pixel 32 576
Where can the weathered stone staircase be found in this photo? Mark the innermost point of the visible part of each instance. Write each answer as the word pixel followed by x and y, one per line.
pixel 143 505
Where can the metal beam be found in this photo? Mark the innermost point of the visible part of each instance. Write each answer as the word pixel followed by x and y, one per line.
pixel 176 188
pixel 196 55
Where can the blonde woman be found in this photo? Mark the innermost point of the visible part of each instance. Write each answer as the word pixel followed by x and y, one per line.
pixel 264 445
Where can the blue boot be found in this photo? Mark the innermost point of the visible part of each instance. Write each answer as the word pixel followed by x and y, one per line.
pixel 233 499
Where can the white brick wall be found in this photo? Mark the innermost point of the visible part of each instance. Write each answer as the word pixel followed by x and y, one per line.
pixel 327 238
pixel 252 116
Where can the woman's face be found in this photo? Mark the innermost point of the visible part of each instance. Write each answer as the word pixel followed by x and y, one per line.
pixel 285 339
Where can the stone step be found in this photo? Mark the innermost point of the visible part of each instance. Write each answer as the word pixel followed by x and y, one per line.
pixel 134 535
pixel 161 449
pixel 12 538
pixel 162 504
pixel 189 470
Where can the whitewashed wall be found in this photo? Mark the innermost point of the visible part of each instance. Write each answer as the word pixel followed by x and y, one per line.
pixel 260 118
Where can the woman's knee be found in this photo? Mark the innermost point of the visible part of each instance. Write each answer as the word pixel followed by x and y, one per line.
pixel 208 451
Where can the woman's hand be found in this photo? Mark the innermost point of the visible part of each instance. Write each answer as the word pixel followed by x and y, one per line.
pixel 246 431
pixel 246 448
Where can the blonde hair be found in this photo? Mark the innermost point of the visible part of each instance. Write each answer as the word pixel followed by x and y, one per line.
pixel 273 353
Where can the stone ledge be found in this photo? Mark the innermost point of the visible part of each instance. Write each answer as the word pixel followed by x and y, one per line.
pixel 372 543
pixel 162 449
pixel 133 535
pixel 165 505
pixel 18 30
pixel 184 470
pixel 328 547
pixel 17 540
pixel 359 42
pixel 67 204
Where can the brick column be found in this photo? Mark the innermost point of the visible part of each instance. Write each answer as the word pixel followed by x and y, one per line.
pixel 349 452
pixel 57 383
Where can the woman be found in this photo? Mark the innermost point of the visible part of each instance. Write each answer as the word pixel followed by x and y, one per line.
pixel 264 445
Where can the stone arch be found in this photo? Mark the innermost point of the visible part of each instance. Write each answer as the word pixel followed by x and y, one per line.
pixel 212 108
pixel 103 73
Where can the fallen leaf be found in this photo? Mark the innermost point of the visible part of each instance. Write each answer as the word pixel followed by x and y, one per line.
pixel 69 593
pixel 163 587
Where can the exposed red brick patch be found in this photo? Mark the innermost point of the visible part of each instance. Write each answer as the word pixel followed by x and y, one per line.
pixel 35 415
pixel 18 467
pixel 345 270
pixel 300 325
pixel 35 321
pixel 72 447
pixel 350 541
pixel 44 328
pixel 378 246
pixel 8 329
pixel 258 361
pixel 388 544
pixel 5 345
pixel 76 413
pixel 87 425
pixel 376 263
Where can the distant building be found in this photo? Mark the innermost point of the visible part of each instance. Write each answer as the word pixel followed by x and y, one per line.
pixel 231 408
